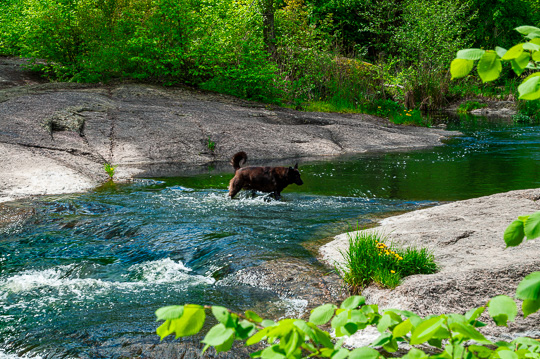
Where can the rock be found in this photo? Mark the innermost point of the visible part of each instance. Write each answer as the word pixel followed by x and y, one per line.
pixel 466 238
pixel 501 112
pixel 55 138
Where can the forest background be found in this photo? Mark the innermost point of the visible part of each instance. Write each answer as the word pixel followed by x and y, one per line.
pixel 368 56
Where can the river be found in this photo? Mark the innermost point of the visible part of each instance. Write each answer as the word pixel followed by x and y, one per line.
pixel 87 269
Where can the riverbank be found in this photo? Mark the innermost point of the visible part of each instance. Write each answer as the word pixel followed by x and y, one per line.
pixel 466 238
pixel 56 137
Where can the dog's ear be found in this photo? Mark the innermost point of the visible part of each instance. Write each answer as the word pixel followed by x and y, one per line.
pixel 290 168
pixel 296 166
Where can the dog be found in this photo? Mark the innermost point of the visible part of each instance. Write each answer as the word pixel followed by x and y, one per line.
pixel 264 179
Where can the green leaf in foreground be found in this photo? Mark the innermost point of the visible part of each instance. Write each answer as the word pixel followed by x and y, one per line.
pixel 353 302
pixel 190 323
pixel 514 234
pixel 170 312
pixel 502 309
pixel 253 316
pixel 218 335
pixel 489 67
pixel 470 54
pixel 530 306
pixel 322 314
pixel 460 68
pixel 529 287
pixel 532 226
pixel 426 330
pixel 364 353
pixel 529 89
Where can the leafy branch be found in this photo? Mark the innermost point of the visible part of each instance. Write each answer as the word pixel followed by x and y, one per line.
pixel 523 56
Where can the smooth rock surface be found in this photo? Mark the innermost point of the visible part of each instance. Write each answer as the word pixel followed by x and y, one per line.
pixel 466 238
pixel 55 137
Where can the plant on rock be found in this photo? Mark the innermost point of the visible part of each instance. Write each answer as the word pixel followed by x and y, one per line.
pixel 369 259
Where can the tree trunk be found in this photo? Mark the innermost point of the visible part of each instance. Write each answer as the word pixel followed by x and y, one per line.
pixel 269 34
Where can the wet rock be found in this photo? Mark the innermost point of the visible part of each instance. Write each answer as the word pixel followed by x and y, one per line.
pixel 466 238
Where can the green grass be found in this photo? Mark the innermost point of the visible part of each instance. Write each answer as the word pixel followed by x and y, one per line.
pixel 369 259
pixel 468 106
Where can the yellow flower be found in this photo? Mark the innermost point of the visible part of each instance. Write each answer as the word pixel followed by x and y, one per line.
pixel 408 114
pixel 392 271
pixel 379 107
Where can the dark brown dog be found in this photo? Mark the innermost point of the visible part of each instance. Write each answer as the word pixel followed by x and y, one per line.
pixel 264 179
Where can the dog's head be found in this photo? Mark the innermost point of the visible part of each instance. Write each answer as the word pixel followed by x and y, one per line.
pixel 294 175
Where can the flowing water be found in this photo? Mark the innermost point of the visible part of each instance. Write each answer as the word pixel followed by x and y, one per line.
pixel 91 268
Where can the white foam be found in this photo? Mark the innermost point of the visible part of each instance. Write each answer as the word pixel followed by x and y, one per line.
pixel 4 355
pixel 66 280
pixel 166 271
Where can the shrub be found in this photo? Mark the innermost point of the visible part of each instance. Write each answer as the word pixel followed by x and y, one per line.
pixel 369 259
pixel 468 106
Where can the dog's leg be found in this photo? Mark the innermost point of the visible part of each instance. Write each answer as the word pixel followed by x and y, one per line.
pixel 277 195
pixel 253 193
pixel 234 187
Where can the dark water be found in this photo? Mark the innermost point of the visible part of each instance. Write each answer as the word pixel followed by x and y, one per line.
pixel 92 268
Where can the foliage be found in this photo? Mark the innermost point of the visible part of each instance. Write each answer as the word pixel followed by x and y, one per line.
pixel 522 57
pixel 468 106
pixel 528 112
pixel 109 169
pixel 211 145
pixel 369 259
pixel 447 334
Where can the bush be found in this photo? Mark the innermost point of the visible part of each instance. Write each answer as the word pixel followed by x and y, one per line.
pixel 369 259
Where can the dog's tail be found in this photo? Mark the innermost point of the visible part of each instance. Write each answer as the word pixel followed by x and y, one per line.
pixel 237 158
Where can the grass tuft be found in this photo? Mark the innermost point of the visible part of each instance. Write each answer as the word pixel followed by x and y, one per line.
pixel 369 259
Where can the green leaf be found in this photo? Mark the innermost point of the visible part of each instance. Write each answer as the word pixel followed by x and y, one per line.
pixel 532 226
pixel 513 53
pixel 519 64
pixel 382 340
pixel 225 347
pixel 391 346
pixel 273 352
pixel 480 351
pixel 469 332
pixel 500 51
pixel 514 234
pixel 353 302
pixel 218 335
pixel 165 329
pixel 300 324
pixel 415 354
pixel 222 314
pixel 388 320
pixel 528 90
pixel 322 336
pixel 342 353
pixel 530 306
pixel 340 319
pixel 507 354
pixel 470 54
pixel 322 314
pixel 292 344
pixel 526 30
pixel 529 287
pixel 268 323
pixel 460 68
pixel 474 314
pixel 536 56
pixel 257 337
pixel 402 329
pixel 531 46
pixel 489 67
pixel 244 329
pixel 253 316
pixel 170 312
pixel 364 353
pixel 502 308
pixel 426 330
